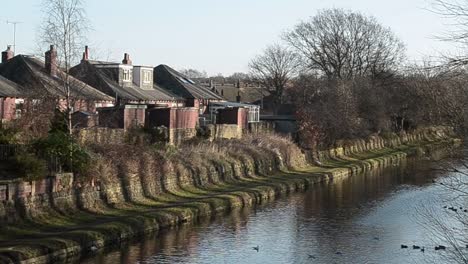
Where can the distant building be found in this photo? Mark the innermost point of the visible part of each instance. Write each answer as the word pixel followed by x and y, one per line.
pixel 127 83
pixel 194 94
pixel 37 80
pixel 11 101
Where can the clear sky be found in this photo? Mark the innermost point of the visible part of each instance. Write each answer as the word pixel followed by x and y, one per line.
pixel 218 36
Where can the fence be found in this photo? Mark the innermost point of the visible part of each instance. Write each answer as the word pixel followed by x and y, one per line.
pixel 8 151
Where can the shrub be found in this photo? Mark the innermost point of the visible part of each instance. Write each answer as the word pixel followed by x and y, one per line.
pixel 8 136
pixel 71 156
pixel 29 166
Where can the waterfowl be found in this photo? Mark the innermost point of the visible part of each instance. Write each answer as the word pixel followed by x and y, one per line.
pixel 439 247
pixel 404 246
pixel 416 247
pixel 257 248
pixel 422 249
pixel 311 256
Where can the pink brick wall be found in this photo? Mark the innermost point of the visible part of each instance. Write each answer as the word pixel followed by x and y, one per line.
pixel 7 108
pixel 184 118
pixel 242 116
pixel 3 192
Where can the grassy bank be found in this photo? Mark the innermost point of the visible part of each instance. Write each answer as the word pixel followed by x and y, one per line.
pixel 191 182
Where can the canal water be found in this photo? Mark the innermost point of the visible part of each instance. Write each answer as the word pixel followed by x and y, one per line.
pixel 361 219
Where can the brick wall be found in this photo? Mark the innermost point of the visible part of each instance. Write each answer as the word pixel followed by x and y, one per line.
pixel 7 108
pixel 173 118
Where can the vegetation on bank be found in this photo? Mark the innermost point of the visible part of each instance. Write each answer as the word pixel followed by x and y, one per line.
pixel 256 169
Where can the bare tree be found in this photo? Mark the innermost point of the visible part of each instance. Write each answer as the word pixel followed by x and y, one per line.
pixel 65 25
pixel 342 44
pixel 194 74
pixel 456 12
pixel 274 69
pixel 448 225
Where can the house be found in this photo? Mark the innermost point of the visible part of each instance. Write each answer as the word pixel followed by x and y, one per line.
pixel 233 113
pixel 11 101
pixel 83 119
pixel 181 122
pixel 38 81
pixel 235 91
pixel 123 116
pixel 194 94
pixel 127 83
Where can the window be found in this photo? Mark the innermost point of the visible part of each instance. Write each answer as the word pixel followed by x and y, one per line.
pixel 19 107
pixel 254 114
pixel 147 76
pixel 126 75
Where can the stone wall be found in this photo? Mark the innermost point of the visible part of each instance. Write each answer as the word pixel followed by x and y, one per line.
pixel 224 131
pixel 101 136
pixel 178 135
pixel 129 174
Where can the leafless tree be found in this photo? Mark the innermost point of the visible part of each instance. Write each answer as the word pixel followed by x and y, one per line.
pixel 440 94
pixel 274 69
pixel 448 225
pixel 194 74
pixel 343 44
pixel 65 25
pixel 456 13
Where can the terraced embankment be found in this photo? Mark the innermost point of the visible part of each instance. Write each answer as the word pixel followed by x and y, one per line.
pixel 142 191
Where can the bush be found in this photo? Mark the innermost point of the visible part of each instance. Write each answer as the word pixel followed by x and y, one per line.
pixel 29 166
pixel 71 156
pixel 8 136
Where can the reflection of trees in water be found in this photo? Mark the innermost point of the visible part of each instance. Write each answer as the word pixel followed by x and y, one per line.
pixel 446 218
pixel 334 207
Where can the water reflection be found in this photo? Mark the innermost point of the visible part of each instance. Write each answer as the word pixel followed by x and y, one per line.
pixel 360 219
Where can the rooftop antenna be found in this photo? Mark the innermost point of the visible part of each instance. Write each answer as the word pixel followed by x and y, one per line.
pixel 14 23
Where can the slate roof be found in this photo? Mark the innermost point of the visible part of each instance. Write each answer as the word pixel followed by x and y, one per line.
pixel 29 72
pixel 104 79
pixel 179 84
pixel 9 88
pixel 248 94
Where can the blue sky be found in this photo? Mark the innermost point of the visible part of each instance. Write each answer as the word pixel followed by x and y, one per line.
pixel 218 36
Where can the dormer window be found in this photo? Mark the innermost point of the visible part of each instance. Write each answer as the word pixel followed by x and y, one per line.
pixel 147 76
pixel 126 75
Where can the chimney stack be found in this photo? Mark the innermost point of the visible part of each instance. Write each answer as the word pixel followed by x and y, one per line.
pixel 51 61
pixel 127 59
pixel 7 54
pixel 85 54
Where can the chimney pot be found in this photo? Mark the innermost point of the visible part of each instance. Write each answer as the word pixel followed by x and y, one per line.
pixel 127 59
pixel 51 61
pixel 7 54
pixel 85 54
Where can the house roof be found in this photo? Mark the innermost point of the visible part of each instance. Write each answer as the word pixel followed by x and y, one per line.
pixel 179 84
pixel 234 104
pixel 9 88
pixel 230 91
pixel 105 80
pixel 29 72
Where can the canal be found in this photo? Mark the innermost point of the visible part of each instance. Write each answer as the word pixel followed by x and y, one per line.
pixel 361 219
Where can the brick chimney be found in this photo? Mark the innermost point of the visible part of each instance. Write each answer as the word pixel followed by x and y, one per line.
pixel 127 59
pixel 7 54
pixel 85 54
pixel 51 61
